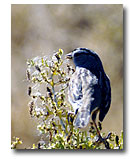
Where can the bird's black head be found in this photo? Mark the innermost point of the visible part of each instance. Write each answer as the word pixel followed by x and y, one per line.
pixel 86 58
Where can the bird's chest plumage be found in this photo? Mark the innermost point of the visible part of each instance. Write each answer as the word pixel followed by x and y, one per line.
pixel 84 89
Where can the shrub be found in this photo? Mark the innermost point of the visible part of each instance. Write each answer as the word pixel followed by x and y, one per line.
pixel 48 81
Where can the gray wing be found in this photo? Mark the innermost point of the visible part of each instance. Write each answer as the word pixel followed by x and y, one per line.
pixel 80 95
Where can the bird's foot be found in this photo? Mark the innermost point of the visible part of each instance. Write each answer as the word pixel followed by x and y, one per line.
pixel 101 139
pixel 108 136
pixel 104 140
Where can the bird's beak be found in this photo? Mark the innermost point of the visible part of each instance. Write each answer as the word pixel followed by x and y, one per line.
pixel 69 55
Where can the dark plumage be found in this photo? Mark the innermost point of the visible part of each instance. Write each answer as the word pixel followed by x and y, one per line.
pixel 89 87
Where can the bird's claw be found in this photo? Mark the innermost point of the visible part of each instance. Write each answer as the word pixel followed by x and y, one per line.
pixel 104 140
pixel 100 139
pixel 108 136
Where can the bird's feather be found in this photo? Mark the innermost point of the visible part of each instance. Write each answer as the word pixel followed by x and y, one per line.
pixel 81 95
pixel 106 97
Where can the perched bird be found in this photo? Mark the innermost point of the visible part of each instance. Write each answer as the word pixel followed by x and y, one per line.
pixel 89 88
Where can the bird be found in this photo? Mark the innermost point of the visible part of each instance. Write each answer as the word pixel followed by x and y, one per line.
pixel 89 90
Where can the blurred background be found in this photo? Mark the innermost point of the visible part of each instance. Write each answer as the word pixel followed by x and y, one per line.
pixel 38 30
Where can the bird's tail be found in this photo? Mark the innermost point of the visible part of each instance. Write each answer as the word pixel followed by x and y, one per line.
pixel 82 119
